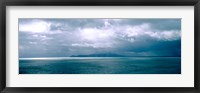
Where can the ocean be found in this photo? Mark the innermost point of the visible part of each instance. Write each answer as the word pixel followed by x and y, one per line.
pixel 100 65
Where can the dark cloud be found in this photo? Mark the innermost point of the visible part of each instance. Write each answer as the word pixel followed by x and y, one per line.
pixel 129 37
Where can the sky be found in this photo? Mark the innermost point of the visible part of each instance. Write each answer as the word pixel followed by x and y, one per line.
pixel 75 36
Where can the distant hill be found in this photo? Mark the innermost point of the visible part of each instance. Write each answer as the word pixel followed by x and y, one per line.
pixel 99 55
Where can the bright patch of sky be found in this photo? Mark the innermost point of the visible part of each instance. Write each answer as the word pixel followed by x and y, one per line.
pixel 128 37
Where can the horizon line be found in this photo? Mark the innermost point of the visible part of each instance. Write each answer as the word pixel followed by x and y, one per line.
pixel 93 56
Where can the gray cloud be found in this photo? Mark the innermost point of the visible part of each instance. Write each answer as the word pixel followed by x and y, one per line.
pixel 129 37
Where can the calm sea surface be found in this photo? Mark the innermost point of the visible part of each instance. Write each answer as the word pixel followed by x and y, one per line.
pixel 100 65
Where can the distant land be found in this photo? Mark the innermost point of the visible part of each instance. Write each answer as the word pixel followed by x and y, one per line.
pixel 114 55
pixel 99 55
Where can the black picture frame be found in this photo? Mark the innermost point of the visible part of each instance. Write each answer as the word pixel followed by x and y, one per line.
pixel 4 3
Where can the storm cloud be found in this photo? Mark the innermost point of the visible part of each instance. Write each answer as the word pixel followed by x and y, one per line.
pixel 127 37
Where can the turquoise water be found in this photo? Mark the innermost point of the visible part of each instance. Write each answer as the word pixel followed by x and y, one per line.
pixel 100 65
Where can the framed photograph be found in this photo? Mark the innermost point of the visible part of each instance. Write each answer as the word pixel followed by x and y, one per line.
pixel 140 46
